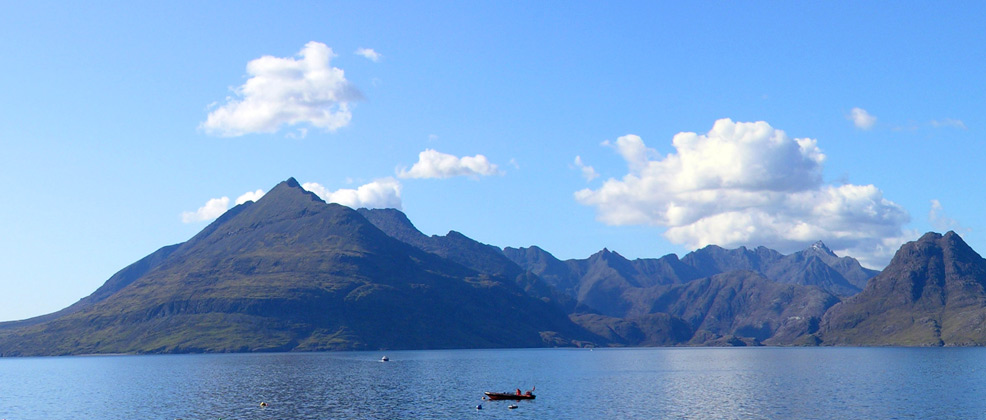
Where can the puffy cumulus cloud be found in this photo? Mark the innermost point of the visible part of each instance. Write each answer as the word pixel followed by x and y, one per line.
pixel 633 150
pixel 369 54
pixel 588 172
pixel 861 119
pixel 249 196
pixel 212 209
pixel 215 207
pixel 434 164
pixel 747 184
pixel 382 193
pixel 286 91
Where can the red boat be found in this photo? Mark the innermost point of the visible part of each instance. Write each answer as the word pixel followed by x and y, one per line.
pixel 510 396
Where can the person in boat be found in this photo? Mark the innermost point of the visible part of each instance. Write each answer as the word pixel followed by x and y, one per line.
pixel 518 391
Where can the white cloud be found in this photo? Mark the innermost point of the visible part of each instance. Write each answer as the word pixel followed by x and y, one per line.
pixel 286 91
pixel 382 193
pixel 862 119
pixel 434 164
pixel 949 122
pixel 747 184
pixel 298 134
pixel 369 54
pixel 215 207
pixel 941 222
pixel 212 209
pixel 588 172
pixel 249 196
pixel 633 150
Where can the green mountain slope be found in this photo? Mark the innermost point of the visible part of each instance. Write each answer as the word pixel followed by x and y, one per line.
pixel 291 272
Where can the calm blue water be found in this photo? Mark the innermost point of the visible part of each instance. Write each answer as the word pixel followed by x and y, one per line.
pixel 692 383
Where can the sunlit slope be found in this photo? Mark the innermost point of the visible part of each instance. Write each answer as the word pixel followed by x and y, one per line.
pixel 291 272
pixel 933 293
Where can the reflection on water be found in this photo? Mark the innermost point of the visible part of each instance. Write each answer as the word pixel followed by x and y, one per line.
pixel 699 383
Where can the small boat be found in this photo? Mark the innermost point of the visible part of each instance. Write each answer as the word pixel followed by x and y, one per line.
pixel 385 359
pixel 512 406
pixel 509 396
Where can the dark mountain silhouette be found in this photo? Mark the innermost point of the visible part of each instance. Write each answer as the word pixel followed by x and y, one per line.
pixel 931 294
pixel 714 259
pixel 747 306
pixel 815 266
pixel 606 282
pixel 615 286
pixel 564 276
pixel 291 272
pixel 848 267
pixel 658 329
pixel 461 249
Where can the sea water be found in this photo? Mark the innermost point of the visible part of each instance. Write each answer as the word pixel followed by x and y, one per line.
pixel 637 383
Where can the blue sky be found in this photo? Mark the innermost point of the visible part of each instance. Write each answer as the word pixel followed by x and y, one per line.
pixel 547 123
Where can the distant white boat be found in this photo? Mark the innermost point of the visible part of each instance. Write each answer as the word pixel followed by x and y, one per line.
pixel 385 359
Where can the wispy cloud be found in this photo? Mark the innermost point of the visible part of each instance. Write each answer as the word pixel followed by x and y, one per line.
pixel 861 118
pixel 588 172
pixel 941 222
pixel 369 54
pixel 381 193
pixel 949 122
pixel 434 164
pixel 747 184
pixel 286 91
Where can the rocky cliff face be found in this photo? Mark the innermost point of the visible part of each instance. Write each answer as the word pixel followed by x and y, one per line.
pixel 746 305
pixel 933 293
pixel 614 286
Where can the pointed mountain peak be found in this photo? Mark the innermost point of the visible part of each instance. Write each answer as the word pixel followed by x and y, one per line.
pixel 821 247
pixel 711 248
pixel 603 253
pixel 290 190
pixel 953 237
pixel 606 255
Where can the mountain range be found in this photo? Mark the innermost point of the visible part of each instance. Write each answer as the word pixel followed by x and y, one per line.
pixel 290 272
